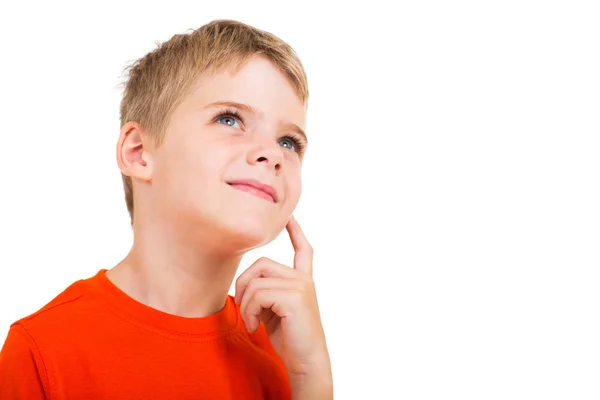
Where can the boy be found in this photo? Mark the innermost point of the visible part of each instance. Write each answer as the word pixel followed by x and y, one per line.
pixel 210 151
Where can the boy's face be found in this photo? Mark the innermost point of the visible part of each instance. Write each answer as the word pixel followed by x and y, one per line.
pixel 207 148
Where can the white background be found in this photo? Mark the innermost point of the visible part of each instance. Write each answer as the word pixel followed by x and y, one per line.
pixel 451 187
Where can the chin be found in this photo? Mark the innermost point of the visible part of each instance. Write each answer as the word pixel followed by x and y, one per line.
pixel 237 227
pixel 235 233
pixel 247 236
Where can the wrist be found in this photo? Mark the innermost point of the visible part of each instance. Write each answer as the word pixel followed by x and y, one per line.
pixel 315 389
pixel 315 384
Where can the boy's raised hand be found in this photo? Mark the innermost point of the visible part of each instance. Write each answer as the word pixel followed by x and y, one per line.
pixel 286 302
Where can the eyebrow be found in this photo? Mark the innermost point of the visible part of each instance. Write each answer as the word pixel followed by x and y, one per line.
pixel 251 110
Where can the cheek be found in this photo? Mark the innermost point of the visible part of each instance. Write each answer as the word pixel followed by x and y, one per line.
pixel 199 161
pixel 189 174
pixel 293 189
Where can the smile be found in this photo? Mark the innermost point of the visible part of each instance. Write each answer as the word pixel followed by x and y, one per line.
pixel 256 188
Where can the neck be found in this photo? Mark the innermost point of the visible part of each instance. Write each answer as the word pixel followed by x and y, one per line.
pixel 179 276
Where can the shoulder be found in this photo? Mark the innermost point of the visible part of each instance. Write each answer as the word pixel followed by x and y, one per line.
pixel 23 366
pixel 22 370
pixel 62 313
pixel 57 306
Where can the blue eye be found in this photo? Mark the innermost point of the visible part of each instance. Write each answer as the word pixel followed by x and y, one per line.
pixel 290 142
pixel 228 120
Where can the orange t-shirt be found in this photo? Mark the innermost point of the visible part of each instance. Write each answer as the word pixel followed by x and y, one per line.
pixel 95 342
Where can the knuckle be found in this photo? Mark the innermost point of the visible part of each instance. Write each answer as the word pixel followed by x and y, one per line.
pixel 263 260
pixel 252 285
pixel 262 265
pixel 239 284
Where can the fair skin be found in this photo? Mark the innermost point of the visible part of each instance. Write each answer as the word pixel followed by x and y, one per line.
pixel 191 226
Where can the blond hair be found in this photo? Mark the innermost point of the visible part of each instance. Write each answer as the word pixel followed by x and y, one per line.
pixel 157 82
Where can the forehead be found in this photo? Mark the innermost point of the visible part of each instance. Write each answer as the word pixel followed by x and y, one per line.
pixel 258 83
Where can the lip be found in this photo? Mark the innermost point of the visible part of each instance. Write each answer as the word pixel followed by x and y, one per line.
pixel 269 190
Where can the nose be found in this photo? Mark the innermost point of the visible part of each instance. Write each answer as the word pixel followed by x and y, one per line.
pixel 267 152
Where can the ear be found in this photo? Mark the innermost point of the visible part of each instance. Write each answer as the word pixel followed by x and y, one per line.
pixel 133 155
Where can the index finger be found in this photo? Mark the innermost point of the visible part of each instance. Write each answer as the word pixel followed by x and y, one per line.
pixel 303 250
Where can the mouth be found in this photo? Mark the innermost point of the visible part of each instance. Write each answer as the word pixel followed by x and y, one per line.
pixel 256 188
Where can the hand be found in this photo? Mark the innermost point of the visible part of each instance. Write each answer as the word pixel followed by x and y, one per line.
pixel 285 300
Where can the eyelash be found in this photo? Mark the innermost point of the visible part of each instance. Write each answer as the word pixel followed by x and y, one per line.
pixel 230 112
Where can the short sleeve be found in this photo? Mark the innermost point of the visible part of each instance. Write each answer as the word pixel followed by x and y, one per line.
pixel 20 376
